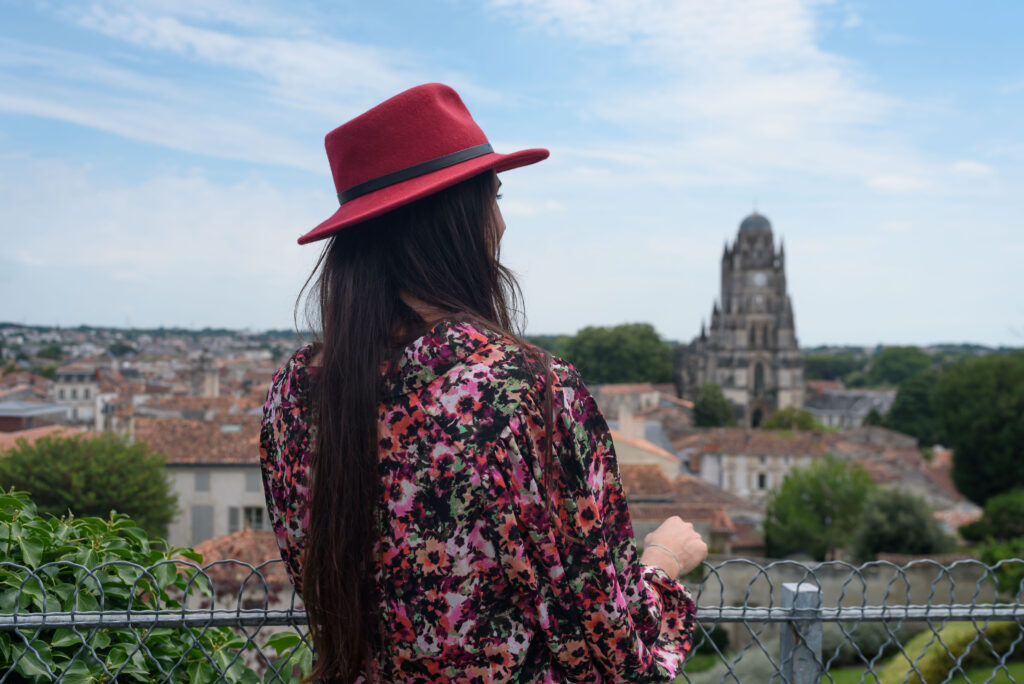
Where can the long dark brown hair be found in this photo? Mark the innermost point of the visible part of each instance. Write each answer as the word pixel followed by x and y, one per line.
pixel 444 252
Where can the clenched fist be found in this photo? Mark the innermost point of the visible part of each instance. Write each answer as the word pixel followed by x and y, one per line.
pixel 679 538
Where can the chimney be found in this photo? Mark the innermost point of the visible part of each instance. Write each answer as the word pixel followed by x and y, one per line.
pixel 627 424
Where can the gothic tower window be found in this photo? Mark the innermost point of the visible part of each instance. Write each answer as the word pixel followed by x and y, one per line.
pixel 758 380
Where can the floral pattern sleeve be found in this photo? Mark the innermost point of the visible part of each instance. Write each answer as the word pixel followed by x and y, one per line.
pixel 604 614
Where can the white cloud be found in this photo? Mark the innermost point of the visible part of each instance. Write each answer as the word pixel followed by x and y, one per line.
pixel 895 183
pixel 969 167
pixel 189 249
pixel 743 89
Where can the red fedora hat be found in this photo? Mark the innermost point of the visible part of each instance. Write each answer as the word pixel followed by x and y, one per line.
pixel 417 143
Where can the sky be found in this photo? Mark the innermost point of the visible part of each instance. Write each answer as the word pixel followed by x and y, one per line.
pixel 159 158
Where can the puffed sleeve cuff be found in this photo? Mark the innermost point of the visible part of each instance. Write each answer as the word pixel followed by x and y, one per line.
pixel 671 606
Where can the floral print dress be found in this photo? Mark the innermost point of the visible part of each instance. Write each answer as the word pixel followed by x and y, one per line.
pixel 478 581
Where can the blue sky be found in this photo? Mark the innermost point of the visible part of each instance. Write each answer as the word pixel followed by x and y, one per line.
pixel 158 158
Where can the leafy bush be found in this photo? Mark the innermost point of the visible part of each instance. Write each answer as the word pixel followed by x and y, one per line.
pixel 1003 519
pixel 711 408
pixel 970 644
pixel 873 639
pixel 713 639
pixel 1009 575
pixel 92 476
pixel 897 522
pixel 753 665
pixel 91 564
pixel 792 418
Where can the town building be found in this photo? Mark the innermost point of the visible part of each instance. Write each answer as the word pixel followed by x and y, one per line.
pixel 750 349
pixel 214 469
pixel 77 387
pixel 846 408
pixel 750 463
pixel 25 415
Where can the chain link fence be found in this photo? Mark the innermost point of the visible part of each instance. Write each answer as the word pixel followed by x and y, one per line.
pixel 783 621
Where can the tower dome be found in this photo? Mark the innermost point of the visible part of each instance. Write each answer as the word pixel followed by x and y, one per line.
pixel 755 222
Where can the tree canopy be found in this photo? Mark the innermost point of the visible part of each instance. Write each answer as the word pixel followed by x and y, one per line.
pixel 980 406
pixel 816 510
pixel 897 522
pixel 1003 519
pixel 831 366
pixel 792 418
pixel 632 352
pixel 711 408
pixel 92 476
pixel 913 411
pixel 893 365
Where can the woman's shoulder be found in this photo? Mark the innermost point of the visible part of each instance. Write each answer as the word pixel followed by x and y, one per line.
pixel 290 383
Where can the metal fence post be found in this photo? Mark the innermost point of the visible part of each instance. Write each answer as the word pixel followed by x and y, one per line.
pixel 800 638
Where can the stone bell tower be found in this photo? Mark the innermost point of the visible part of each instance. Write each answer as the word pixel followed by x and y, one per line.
pixel 750 349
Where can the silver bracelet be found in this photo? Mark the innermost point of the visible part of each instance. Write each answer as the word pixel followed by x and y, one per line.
pixel 679 566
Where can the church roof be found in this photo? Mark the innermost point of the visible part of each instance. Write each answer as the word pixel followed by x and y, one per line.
pixel 755 222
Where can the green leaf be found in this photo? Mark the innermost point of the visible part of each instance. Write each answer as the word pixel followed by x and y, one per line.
pixel 65 637
pixel 283 641
pixel 77 673
pixel 31 551
pixel 164 574
pixel 200 672
pixel 30 665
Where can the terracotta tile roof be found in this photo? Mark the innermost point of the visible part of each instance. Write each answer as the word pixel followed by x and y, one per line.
pixel 9 440
pixel 955 518
pixel 220 405
pixel 747 537
pixel 619 389
pixel 644 480
pixel 643 445
pixel 721 523
pixel 676 401
pixel 696 491
pixel 185 441
pixel 248 546
pixel 755 442
pixel 822 386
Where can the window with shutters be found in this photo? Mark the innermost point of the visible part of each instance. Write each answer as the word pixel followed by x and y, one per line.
pixel 202 523
pixel 254 516
pixel 234 519
pixel 252 482
pixel 202 481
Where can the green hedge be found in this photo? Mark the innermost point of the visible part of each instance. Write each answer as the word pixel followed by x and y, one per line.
pixel 43 569
pixel 934 662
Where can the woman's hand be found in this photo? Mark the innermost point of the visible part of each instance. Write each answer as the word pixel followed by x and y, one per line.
pixel 675 547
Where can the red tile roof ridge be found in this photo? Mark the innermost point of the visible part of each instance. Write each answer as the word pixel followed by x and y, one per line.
pixel 643 444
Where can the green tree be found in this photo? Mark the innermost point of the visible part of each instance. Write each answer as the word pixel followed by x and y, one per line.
pixel 121 349
pixel 51 351
pixel 874 417
pixel 792 418
pixel 831 366
pixel 816 510
pixel 893 365
pixel 913 411
pixel 980 404
pixel 897 522
pixel 711 408
pixel 92 476
pixel 856 379
pixel 631 352
pixel 1003 519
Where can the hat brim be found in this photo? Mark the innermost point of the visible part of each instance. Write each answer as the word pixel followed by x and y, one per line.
pixel 393 196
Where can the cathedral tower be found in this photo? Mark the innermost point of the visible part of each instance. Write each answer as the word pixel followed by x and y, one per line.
pixel 750 349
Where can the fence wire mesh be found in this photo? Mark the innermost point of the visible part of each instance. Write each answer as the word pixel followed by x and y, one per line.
pixel 921 623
